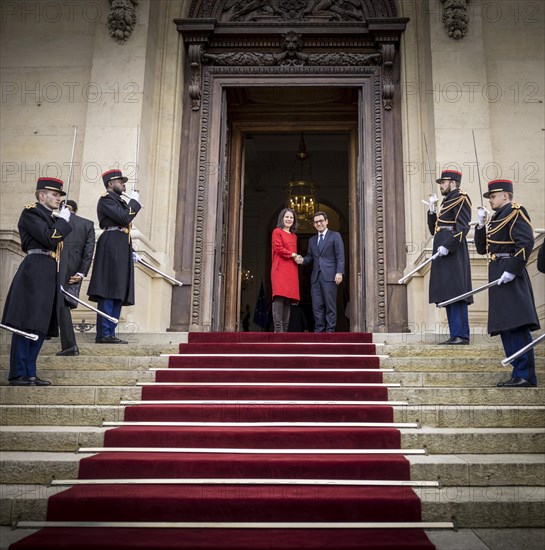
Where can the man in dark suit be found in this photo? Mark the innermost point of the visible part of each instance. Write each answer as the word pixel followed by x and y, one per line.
pixel 112 281
pixel 31 303
pixel 326 254
pixel 76 257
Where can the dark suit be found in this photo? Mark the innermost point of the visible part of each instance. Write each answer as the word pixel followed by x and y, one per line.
pixel 76 257
pixel 326 263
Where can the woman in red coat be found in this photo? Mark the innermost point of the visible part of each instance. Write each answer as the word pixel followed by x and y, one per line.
pixel 284 270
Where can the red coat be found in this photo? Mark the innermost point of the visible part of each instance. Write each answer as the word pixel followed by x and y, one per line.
pixel 284 270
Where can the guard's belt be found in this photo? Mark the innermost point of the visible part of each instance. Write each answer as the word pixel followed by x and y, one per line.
pixel 43 252
pixel 117 228
pixel 445 228
pixel 500 255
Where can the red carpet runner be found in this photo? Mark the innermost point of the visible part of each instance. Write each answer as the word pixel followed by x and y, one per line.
pixel 288 386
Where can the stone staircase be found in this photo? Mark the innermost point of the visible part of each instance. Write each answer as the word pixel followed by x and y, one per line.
pixel 485 444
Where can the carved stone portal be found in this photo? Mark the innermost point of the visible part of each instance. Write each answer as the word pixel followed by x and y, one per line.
pixel 331 43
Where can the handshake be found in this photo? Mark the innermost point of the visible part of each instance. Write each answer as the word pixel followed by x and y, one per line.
pixel 297 258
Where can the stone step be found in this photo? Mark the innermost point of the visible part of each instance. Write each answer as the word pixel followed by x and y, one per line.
pixel 137 363
pixel 501 507
pixel 81 377
pixel 441 416
pixel 435 440
pixel 59 415
pixel 112 395
pixel 487 470
pixel 148 347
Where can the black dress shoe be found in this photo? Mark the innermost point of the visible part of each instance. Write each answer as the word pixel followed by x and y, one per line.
pixel 103 340
pixel 458 341
pixel 446 341
pixel 116 340
pixel 518 383
pixel 501 384
pixel 22 381
pixel 39 382
pixel 74 350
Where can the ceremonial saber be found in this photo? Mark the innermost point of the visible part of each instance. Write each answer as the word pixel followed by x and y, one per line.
pixel 522 351
pixel 17 331
pixel 429 163
pixel 89 306
pixel 478 169
pixel 167 277
pixel 467 294
pixel 418 268
pixel 135 181
pixel 71 164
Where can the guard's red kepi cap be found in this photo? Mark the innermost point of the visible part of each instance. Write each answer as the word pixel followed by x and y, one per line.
pixel 498 185
pixel 112 175
pixel 51 184
pixel 450 175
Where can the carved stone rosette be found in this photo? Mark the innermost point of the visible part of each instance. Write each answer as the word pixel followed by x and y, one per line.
pixel 456 18
pixel 122 19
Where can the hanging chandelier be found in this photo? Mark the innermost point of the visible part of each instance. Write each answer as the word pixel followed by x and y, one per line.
pixel 302 191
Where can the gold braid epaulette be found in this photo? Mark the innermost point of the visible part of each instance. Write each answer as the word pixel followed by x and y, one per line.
pixel 29 206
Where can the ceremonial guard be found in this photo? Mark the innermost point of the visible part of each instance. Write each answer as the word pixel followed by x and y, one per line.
pixel 76 258
pixel 450 270
pixel 31 303
pixel 508 241
pixel 112 281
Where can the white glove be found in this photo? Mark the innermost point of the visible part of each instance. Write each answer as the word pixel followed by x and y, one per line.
pixel 135 196
pixel 506 277
pixel 482 215
pixel 64 213
pixel 442 251
pixel 135 257
pixel 432 202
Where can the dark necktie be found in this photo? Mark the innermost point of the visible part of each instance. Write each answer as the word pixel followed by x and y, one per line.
pixel 321 242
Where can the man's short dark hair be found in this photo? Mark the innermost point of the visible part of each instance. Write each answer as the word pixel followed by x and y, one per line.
pixel 320 213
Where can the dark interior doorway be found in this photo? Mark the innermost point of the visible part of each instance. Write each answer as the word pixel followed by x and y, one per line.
pixel 268 166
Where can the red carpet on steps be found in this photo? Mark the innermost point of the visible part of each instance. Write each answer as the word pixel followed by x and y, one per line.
pixel 252 501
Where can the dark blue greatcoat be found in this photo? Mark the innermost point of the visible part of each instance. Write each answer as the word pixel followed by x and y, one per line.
pixel 451 274
pixel 31 303
pixel 510 305
pixel 113 268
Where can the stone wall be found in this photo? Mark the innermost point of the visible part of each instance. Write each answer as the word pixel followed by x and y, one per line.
pixel 60 69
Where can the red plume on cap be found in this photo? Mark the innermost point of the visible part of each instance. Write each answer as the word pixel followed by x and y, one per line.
pixel 450 175
pixel 51 184
pixel 498 185
pixel 112 175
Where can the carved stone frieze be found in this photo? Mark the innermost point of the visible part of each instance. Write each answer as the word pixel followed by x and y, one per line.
pixel 304 10
pixel 122 19
pixel 456 18
pixel 292 44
